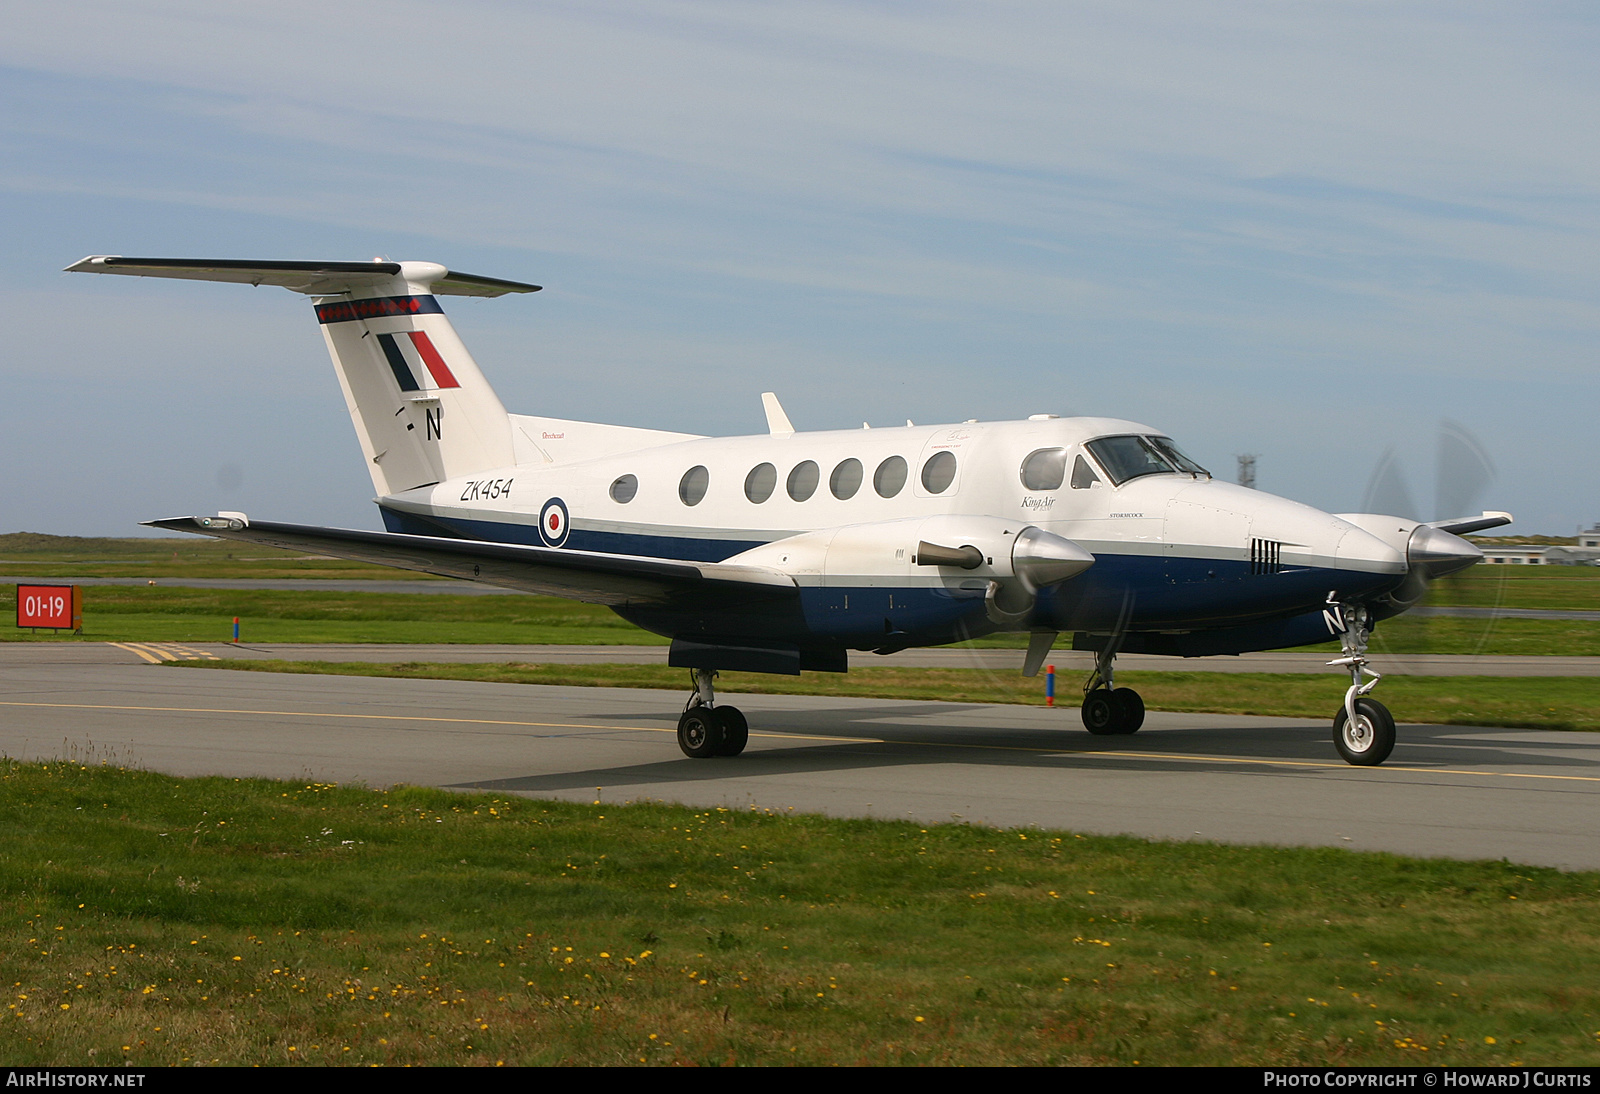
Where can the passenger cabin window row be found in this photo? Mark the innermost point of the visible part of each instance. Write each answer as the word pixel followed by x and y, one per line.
pixel 938 473
pixel 1121 458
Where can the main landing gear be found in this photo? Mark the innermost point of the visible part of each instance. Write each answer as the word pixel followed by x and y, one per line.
pixel 705 729
pixel 1363 730
pixel 1107 709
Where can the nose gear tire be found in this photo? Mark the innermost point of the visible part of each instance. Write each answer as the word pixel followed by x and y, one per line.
pixel 1368 740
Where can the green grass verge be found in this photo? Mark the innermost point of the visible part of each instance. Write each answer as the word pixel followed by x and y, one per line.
pixel 25 553
pixel 138 613
pixel 1539 702
pixel 154 920
pixel 1565 587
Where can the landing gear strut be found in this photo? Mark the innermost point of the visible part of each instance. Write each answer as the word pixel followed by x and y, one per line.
pixel 705 729
pixel 1107 709
pixel 1363 730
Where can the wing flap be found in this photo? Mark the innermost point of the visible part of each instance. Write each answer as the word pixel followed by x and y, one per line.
pixel 576 575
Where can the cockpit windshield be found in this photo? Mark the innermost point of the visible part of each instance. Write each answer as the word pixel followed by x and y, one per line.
pixel 1129 457
pixel 1176 455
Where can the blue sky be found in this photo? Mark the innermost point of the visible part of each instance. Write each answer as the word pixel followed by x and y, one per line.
pixel 1306 231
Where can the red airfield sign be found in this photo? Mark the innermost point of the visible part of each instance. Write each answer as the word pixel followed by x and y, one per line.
pixel 53 606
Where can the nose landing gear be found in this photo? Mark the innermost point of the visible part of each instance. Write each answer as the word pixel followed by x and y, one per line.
pixel 1363 730
pixel 705 729
pixel 1107 709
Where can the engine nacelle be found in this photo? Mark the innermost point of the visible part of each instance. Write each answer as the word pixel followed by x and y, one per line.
pixel 1006 561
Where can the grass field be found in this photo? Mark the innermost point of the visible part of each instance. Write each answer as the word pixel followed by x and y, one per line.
pixel 156 921
pixel 1543 702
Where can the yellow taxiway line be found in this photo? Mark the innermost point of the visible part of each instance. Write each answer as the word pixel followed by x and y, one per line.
pixel 157 652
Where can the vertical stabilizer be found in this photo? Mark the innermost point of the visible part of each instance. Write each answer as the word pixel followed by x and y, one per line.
pixel 422 410
pixel 421 407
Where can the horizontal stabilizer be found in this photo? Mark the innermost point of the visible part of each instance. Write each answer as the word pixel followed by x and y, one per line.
pixel 578 575
pixel 312 278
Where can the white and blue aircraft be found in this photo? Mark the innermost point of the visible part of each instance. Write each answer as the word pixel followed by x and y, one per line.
pixel 782 552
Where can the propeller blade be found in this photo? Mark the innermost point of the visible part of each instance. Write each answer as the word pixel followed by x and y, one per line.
pixel 1464 471
pixel 1386 490
pixel 1039 645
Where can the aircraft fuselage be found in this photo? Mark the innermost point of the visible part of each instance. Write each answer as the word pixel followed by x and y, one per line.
pixel 1174 551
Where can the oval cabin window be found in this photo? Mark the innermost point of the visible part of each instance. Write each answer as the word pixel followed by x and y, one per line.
pixel 759 484
pixel 803 480
pixel 845 480
pixel 692 487
pixel 939 472
pixel 890 477
pixel 624 489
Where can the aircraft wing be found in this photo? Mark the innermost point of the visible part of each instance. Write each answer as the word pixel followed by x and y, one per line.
pixel 576 575
pixel 1460 526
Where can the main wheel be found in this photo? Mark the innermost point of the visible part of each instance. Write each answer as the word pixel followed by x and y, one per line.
pixel 1101 713
pixel 1130 710
pixel 699 733
pixel 1367 741
pixel 735 730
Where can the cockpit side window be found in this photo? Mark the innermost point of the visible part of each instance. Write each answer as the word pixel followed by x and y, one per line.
pixel 1045 469
pixel 1129 457
pixel 1083 475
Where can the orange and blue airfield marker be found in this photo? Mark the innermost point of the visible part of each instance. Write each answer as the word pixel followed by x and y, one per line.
pixel 1049 685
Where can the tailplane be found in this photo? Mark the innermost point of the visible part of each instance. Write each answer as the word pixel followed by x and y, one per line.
pixel 422 409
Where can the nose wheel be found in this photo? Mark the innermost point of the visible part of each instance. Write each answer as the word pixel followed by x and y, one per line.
pixel 1363 730
pixel 1367 739
pixel 705 729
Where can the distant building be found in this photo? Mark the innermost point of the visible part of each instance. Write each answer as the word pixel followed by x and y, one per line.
pixel 1530 554
pixel 1586 552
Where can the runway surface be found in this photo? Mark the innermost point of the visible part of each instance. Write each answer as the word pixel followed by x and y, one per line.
pixel 1527 796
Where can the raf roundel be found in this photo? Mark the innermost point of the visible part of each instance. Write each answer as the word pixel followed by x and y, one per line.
pixel 553 523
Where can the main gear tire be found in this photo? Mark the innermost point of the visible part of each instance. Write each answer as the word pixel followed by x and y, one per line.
pixel 1101 713
pixel 1130 712
pixel 735 730
pixel 700 733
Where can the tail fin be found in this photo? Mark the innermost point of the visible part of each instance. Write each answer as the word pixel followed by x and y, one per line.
pixel 422 410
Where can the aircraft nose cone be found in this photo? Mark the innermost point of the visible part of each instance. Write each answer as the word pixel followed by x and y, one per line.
pixel 1436 553
pixel 1043 558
